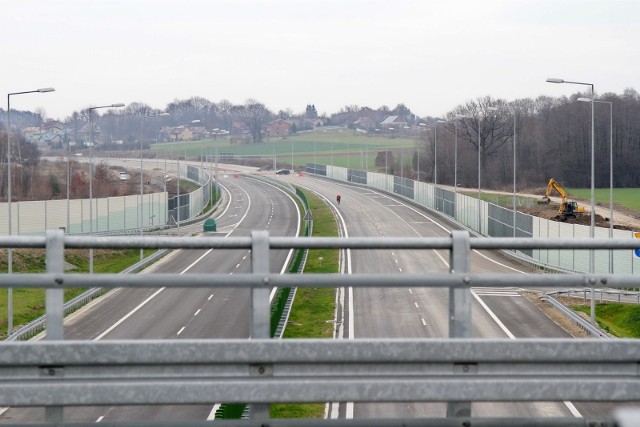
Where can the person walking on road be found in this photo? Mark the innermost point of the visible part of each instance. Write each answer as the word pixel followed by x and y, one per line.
pixel 338 198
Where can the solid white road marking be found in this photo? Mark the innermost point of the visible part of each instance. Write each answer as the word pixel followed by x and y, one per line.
pixel 212 414
pixel 119 322
pixel 498 294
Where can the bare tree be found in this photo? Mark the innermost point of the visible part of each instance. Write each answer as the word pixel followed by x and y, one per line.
pixel 256 116
pixel 102 180
pixel 494 127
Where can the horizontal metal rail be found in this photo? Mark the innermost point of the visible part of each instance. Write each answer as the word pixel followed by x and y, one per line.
pixel 269 280
pixel 152 242
pixel 582 293
pixel 57 373
pixel 574 317
pixel 261 371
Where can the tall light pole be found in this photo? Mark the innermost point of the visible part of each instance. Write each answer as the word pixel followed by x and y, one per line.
pixel 593 184
pixel 455 152
pixel 435 149
pixel 423 125
pixel 91 175
pixel 455 158
pixel 9 196
pixel 479 118
pixel 178 183
pixel 513 113
pixel 142 118
pixel 610 172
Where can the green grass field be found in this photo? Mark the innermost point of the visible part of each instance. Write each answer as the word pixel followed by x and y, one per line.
pixel 627 197
pixel 338 147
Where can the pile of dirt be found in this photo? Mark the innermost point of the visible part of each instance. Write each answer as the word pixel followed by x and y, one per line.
pixel 550 212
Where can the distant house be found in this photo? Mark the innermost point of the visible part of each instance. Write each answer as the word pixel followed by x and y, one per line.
pixel 364 123
pixel 238 128
pixel 32 133
pixel 53 126
pixel 181 133
pixel 85 134
pixel 318 122
pixel 50 139
pixel 279 127
pixel 396 122
pixel 199 132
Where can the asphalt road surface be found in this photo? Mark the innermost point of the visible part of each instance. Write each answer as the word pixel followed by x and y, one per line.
pixel 168 313
pixel 376 313
pixel 423 312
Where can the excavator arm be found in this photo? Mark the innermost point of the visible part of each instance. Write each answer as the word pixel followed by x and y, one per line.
pixel 559 189
pixel 553 185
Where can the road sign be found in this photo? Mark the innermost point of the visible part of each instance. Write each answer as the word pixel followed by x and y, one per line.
pixel 637 251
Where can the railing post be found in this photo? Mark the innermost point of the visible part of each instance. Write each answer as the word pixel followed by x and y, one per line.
pixel 260 313
pixel 460 308
pixel 54 307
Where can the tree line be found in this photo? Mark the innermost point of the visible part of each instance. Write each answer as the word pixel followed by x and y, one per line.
pixel 553 140
pixel 553 136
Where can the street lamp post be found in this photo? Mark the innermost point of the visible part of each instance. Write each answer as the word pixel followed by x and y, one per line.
pixel 9 196
pixel 479 164
pixel 593 186
pixel 178 183
pixel 435 150
pixel 513 113
pixel 91 175
pixel 455 158
pixel 610 172
pixel 514 171
pixel 423 125
pixel 142 118
pixel 455 153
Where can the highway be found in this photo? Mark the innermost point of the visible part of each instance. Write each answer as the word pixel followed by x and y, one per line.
pixel 371 313
pixel 183 313
pixel 423 312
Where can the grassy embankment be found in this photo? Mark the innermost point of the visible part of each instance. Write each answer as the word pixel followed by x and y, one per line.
pixel 28 304
pixel 313 308
pixel 621 320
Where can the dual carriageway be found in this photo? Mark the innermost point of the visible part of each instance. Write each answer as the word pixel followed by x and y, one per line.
pixel 365 313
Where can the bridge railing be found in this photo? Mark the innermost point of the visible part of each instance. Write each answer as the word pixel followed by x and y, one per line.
pixel 55 373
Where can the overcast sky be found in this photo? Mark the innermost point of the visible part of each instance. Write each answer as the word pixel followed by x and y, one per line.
pixel 429 55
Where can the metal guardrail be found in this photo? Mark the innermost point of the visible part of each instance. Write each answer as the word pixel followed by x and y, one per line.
pixel 57 373
pixel 38 325
pixel 574 317
pixel 616 295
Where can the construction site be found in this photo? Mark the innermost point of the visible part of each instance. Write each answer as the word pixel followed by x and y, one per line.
pixel 574 212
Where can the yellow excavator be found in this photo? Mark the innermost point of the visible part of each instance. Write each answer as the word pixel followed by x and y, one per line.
pixel 567 209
